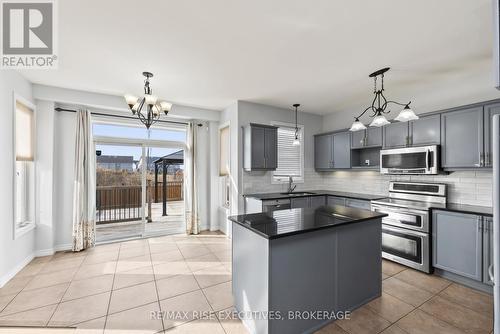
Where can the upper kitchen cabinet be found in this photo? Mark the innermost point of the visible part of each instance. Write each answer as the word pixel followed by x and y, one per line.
pixel 425 131
pixel 396 135
pixel 332 151
pixel 462 138
pixel 342 150
pixel 489 111
pixel 323 152
pixel 260 147
pixel 371 137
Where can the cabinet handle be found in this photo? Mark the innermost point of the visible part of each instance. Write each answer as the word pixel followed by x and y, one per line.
pixel 487 159
pixel 481 159
pixel 490 273
pixel 479 224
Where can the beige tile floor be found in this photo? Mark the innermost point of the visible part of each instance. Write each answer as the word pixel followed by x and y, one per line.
pixel 114 288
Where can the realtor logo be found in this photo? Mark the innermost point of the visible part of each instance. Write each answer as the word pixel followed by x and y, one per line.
pixel 28 34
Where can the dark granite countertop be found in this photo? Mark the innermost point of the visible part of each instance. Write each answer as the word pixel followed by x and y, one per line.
pixel 308 193
pixel 283 223
pixel 465 208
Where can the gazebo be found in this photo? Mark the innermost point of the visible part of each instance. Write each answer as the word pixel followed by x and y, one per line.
pixel 161 165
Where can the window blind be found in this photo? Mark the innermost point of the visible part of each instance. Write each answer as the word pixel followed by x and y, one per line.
pixel 289 156
pixel 24 133
pixel 224 151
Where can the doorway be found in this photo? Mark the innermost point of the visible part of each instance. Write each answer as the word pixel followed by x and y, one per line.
pixel 139 182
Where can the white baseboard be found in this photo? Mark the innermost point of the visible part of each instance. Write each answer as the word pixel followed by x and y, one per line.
pixel 8 276
pixel 63 247
pixel 44 252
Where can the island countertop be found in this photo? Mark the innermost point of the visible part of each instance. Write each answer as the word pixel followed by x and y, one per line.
pixel 282 223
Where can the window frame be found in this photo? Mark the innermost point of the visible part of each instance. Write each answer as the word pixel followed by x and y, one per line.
pixel 17 232
pixel 282 179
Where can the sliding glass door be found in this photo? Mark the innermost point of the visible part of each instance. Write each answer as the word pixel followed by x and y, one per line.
pixel 140 183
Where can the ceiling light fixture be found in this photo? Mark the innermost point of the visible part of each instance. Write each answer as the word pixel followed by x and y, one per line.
pixel 296 141
pixel 147 108
pixel 379 106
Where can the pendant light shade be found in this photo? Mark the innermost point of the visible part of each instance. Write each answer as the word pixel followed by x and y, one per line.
pixel 357 125
pixel 406 115
pixel 379 120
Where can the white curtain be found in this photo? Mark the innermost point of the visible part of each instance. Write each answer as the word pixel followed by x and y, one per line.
pixel 190 186
pixel 84 184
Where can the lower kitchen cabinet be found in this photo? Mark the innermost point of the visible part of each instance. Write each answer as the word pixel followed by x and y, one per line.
pixel 357 203
pixel 334 200
pixel 308 202
pixel 487 249
pixel 457 241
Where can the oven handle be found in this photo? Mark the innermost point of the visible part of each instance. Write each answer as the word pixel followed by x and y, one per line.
pixel 405 231
pixel 400 210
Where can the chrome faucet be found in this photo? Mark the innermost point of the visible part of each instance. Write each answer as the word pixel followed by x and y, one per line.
pixel 290 182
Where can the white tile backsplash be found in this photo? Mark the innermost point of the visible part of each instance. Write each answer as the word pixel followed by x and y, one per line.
pixel 464 187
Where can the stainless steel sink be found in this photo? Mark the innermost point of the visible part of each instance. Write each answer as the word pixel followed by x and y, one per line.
pixel 298 193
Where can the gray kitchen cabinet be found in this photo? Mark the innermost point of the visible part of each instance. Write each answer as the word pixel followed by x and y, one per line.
pixel 425 131
pixel 358 139
pixel 489 111
pixel 457 243
pixel 323 152
pixel 317 201
pixel 260 147
pixel 395 135
pixel 371 137
pixel 342 150
pixel 358 203
pixel 487 249
pixel 462 138
pixel 301 202
pixel 335 200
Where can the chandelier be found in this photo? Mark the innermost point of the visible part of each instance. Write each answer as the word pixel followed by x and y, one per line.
pixel 380 104
pixel 147 108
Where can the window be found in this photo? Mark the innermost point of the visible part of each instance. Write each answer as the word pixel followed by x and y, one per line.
pixel 24 172
pixel 290 157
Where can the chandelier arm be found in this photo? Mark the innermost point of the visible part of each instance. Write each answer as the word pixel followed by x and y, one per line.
pixel 364 112
pixel 398 103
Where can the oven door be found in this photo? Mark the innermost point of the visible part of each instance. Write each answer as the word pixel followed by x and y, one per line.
pixel 410 248
pixel 411 160
pixel 407 218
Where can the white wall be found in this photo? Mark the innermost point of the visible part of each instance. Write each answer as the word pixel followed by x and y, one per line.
pixel 45 178
pixel 64 165
pixel 13 253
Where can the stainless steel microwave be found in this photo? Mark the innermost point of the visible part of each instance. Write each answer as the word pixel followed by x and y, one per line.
pixel 410 160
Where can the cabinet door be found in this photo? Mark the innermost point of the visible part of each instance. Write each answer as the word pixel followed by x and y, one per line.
pixel 271 148
pixel 457 243
pixel 395 134
pixel 462 138
pixel 323 152
pixel 426 131
pixel 342 150
pixel 302 202
pixel 317 201
pixel 258 160
pixel 358 139
pixel 374 136
pixel 357 203
pixel 489 111
pixel 334 200
pixel 487 249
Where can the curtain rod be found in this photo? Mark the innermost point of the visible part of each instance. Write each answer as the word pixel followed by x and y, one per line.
pixel 117 116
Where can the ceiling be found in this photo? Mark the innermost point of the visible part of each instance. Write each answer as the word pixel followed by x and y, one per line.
pixel 317 53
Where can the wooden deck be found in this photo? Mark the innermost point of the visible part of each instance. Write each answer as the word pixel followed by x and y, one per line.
pixel 174 223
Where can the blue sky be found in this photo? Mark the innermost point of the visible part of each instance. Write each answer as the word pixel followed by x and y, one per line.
pixel 135 132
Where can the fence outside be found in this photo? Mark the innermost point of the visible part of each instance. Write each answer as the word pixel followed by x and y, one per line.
pixel 123 203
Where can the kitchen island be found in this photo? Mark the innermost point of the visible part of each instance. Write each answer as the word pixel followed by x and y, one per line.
pixel 296 270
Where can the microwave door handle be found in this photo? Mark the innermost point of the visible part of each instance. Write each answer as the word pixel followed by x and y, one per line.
pixel 427 163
